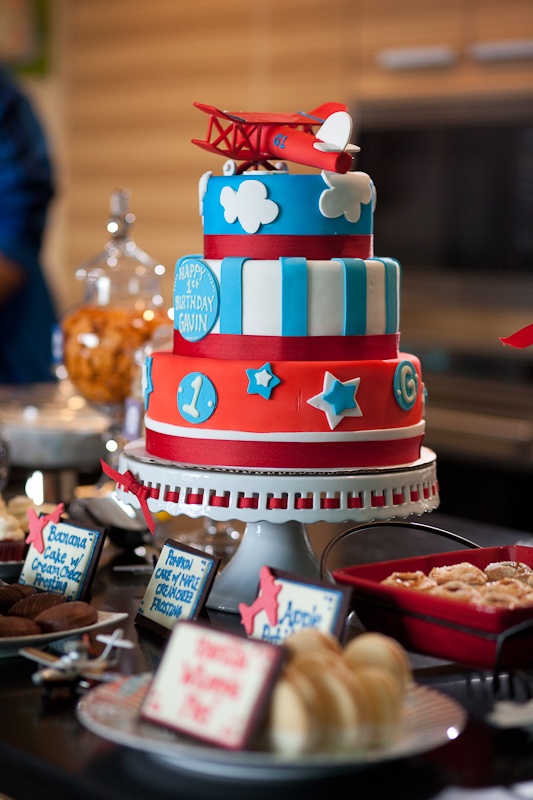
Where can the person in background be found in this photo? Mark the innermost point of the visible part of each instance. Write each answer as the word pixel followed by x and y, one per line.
pixel 27 314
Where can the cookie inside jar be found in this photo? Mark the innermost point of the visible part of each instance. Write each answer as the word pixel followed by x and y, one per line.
pixel 122 307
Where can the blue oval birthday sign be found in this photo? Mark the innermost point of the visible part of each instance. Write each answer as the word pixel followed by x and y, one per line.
pixel 196 298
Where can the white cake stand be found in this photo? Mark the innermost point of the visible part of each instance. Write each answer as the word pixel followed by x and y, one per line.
pixel 276 506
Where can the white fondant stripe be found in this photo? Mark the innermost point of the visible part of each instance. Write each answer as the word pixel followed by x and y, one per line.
pixel 325 299
pixel 376 314
pixel 261 298
pixel 292 436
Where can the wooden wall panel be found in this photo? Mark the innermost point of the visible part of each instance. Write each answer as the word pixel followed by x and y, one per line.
pixel 384 24
pixel 129 71
pixel 497 21
pixel 132 73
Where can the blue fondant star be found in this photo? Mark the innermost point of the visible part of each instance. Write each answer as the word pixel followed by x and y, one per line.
pixel 337 399
pixel 341 396
pixel 262 381
pixel 148 382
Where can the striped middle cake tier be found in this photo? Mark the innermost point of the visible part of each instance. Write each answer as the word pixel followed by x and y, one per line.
pixel 288 297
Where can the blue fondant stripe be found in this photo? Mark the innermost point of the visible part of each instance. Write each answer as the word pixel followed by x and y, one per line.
pixel 391 294
pixel 231 295
pixel 355 293
pixel 293 296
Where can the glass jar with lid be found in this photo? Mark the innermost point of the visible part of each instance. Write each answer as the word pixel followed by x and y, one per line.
pixel 122 307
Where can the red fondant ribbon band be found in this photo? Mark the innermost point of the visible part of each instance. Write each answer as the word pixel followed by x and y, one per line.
pixel 273 455
pixel 289 348
pixel 269 246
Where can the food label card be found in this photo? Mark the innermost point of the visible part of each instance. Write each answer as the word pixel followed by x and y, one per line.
pixel 62 556
pixel 178 587
pixel 287 603
pixel 212 685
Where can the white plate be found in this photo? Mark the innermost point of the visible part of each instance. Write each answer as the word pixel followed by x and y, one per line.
pixel 10 645
pixel 430 719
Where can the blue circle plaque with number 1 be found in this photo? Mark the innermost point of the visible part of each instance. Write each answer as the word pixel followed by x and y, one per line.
pixel 197 397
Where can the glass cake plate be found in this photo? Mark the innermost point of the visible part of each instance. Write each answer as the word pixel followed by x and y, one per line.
pixel 430 719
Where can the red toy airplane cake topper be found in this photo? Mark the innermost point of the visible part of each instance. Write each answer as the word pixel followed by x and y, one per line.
pixel 255 138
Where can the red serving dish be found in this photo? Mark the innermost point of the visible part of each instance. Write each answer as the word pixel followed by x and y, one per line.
pixel 468 634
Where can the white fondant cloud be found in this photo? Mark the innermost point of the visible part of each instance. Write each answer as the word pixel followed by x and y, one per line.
pixel 345 195
pixel 249 205
pixel 202 189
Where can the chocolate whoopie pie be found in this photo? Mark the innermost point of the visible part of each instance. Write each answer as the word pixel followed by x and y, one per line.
pixel 34 604
pixel 11 593
pixel 18 626
pixel 64 617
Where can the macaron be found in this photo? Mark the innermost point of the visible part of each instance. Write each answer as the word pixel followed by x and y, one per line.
pixel 375 649
pixel 293 722
pixel 340 715
pixel 310 640
pixel 384 695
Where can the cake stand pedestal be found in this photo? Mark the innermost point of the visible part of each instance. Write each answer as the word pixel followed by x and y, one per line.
pixel 276 506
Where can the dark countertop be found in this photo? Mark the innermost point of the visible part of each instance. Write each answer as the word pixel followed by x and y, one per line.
pixel 46 753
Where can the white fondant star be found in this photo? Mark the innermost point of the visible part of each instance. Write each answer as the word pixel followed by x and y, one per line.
pixel 263 378
pixel 262 381
pixel 319 401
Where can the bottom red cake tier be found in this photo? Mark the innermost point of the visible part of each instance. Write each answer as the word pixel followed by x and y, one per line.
pixel 284 414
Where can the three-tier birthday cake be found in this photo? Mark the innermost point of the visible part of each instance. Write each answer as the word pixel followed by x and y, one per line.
pixel 287 328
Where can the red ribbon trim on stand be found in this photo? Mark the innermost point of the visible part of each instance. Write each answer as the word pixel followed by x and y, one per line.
pixel 262 246
pixel 289 348
pixel 131 484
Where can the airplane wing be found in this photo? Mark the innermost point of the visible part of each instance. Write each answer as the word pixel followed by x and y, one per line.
pixel 104 676
pixel 314 117
pixel 213 111
pixel 116 639
pixel 39 656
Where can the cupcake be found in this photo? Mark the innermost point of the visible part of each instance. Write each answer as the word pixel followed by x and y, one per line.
pixel 19 506
pixel 12 539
